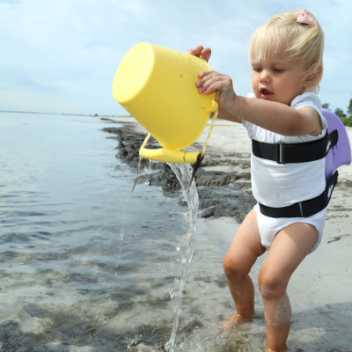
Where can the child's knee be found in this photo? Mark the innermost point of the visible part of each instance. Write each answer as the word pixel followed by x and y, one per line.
pixel 233 268
pixel 271 286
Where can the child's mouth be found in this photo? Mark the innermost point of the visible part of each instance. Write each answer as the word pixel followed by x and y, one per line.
pixel 265 93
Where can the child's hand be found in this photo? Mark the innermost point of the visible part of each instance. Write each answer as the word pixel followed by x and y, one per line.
pixel 214 82
pixel 200 51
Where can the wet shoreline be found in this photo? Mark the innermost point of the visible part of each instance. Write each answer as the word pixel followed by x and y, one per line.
pixel 223 180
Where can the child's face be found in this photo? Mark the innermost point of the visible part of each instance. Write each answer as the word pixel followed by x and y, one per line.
pixel 278 79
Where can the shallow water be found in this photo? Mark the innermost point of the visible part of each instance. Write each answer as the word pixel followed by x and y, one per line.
pixel 77 247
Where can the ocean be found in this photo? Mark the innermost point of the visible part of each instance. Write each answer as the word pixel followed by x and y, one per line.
pixel 86 264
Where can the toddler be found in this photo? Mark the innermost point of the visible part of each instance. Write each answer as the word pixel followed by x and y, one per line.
pixel 286 60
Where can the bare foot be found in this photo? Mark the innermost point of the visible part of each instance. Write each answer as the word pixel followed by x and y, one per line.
pixel 234 320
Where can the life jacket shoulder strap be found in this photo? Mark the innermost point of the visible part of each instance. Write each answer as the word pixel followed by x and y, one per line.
pixel 284 153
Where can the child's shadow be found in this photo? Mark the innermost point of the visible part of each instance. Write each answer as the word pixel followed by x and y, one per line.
pixel 326 328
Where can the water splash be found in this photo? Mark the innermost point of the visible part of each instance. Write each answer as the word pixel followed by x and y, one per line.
pixel 144 173
pixel 190 194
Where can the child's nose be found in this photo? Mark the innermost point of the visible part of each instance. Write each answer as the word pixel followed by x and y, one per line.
pixel 264 76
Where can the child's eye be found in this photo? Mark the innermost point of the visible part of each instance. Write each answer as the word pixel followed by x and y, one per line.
pixel 256 68
pixel 278 70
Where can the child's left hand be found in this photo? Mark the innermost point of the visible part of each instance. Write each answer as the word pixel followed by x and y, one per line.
pixel 220 84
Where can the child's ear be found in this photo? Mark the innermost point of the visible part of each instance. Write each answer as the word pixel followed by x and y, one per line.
pixel 314 76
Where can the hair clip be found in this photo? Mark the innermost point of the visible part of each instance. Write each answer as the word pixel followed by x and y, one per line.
pixel 304 17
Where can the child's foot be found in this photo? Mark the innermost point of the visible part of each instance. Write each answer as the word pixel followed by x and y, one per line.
pixel 234 320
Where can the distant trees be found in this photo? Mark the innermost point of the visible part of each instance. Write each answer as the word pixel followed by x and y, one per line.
pixel 346 118
pixel 349 109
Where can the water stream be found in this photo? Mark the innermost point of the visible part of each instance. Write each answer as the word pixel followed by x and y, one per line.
pixel 190 194
pixel 183 173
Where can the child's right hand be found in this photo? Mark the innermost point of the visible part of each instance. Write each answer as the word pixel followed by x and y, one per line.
pixel 201 52
pixel 212 82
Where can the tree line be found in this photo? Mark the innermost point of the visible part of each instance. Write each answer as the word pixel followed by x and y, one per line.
pixel 346 117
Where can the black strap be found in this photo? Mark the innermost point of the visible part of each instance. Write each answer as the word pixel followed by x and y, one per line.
pixel 284 153
pixel 306 208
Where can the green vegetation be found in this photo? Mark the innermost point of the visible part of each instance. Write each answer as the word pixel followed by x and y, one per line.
pixel 346 117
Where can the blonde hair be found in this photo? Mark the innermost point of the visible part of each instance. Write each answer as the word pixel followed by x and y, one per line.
pixel 285 34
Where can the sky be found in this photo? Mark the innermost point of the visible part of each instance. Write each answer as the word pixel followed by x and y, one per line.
pixel 61 56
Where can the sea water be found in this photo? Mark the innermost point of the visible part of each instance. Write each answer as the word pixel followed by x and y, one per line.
pixel 77 248
pixel 88 265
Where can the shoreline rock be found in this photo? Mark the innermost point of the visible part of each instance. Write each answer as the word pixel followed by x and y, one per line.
pixel 223 180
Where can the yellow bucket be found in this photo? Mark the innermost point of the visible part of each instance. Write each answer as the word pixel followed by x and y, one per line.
pixel 157 86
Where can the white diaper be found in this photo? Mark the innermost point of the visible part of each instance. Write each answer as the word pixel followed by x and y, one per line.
pixel 270 227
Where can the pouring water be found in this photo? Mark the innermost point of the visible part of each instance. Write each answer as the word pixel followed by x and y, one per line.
pixel 183 173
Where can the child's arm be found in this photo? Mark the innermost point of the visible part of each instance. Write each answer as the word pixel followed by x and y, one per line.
pixel 277 117
pixel 270 115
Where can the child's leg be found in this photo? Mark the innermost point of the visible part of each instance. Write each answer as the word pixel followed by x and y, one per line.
pixel 242 254
pixel 287 251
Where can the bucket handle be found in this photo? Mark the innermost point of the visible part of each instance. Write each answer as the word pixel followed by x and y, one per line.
pixel 167 155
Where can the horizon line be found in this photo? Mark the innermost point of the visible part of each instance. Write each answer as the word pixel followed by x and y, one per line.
pixel 62 113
